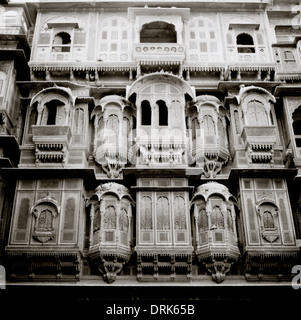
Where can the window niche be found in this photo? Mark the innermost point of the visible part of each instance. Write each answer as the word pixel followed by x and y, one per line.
pixel 268 221
pixel 45 213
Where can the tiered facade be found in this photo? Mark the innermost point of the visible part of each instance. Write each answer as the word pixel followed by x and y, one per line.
pixel 148 143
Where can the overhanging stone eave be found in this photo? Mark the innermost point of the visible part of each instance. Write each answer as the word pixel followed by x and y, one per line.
pixel 288 90
pixel 203 4
pixel 288 173
pixel 162 171
pixel 224 86
pixel 40 173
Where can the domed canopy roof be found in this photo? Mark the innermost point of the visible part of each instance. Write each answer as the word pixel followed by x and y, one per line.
pixel 210 188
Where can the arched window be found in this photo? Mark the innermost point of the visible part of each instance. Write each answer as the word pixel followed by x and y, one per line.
pixel 146 219
pixel 100 127
pixel 110 223
pixel 209 126
pixel 217 218
pixel 202 219
pixel 268 213
pixel 45 220
pixel 245 43
pixel 33 116
pixel 163 113
pixel 268 220
pixel 123 220
pixel 45 214
pixel 237 122
pixel 195 131
pixel 221 132
pixel 112 130
pixel 113 124
pixel 256 114
pixel 53 113
pixel 195 127
pixel 158 32
pixel 110 218
pixel 78 121
pixel 96 220
pixel 203 40
pixel 61 42
pixel 162 210
pixel 230 220
pixel 146 113
pixel 179 214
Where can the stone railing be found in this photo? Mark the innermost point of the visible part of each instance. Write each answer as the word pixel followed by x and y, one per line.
pixel 260 135
pixel 149 53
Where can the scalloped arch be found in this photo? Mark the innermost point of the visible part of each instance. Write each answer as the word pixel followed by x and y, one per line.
pixel 166 77
pixel 65 92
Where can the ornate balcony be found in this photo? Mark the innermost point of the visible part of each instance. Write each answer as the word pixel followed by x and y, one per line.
pixel 259 142
pixel 111 232
pixel 215 229
pixel 51 143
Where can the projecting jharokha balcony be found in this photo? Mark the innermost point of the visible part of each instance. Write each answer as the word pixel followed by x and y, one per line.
pixel 149 53
pixel 51 143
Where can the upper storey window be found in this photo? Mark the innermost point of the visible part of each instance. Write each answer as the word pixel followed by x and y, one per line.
pixel 158 32
pixel 203 40
pixel 61 42
pixel 114 40
pixel 245 43
pixel 286 59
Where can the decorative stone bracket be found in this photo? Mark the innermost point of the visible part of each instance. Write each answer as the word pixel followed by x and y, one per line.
pixel 218 269
pixel 110 269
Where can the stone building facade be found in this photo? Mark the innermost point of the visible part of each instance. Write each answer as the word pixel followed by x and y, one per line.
pixel 149 142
